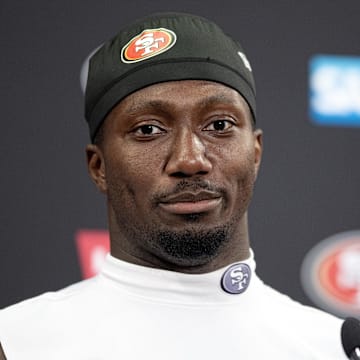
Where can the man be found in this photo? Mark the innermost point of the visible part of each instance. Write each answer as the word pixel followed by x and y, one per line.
pixel 170 103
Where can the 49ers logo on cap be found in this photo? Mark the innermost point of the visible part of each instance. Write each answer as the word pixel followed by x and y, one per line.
pixel 149 43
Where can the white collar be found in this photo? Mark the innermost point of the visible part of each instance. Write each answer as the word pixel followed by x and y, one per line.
pixel 175 287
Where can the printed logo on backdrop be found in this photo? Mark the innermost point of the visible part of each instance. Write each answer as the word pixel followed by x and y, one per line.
pixel 334 94
pixel 149 43
pixel 92 247
pixel 330 274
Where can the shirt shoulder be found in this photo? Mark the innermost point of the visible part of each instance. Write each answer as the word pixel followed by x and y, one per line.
pixel 49 315
pixel 30 312
pixel 313 328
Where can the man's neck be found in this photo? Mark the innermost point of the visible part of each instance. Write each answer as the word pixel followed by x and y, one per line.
pixel 236 249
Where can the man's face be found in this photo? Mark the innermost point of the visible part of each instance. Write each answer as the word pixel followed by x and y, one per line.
pixel 178 161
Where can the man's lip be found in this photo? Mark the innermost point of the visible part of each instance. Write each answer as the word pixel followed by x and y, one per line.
pixel 189 196
pixel 191 203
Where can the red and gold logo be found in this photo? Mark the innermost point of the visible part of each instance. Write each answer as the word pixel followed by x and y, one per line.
pixel 331 274
pixel 149 43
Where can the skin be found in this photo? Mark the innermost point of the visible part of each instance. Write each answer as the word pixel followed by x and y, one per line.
pixel 178 158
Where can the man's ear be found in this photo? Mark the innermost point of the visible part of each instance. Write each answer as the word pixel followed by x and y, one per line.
pixel 258 139
pixel 96 166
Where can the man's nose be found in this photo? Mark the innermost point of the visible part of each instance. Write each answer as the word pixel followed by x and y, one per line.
pixel 187 156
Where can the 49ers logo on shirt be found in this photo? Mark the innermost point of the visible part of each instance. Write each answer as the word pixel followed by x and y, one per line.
pixel 149 43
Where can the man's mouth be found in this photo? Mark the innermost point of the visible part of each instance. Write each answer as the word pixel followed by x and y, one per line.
pixel 191 202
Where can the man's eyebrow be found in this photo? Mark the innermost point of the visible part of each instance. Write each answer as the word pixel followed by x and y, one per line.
pixel 150 105
pixel 216 99
pixel 165 106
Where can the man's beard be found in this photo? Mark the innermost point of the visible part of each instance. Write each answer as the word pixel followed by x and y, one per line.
pixel 190 247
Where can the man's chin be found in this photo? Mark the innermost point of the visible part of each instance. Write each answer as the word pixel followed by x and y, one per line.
pixel 189 248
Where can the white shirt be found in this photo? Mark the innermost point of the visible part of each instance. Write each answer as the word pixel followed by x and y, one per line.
pixel 132 312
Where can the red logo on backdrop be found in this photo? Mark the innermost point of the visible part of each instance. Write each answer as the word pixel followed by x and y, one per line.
pixel 331 274
pixel 149 43
pixel 92 246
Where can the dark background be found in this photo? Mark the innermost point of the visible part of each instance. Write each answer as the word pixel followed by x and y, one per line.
pixel 308 187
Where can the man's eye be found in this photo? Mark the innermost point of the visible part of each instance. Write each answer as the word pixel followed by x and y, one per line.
pixel 145 130
pixel 219 125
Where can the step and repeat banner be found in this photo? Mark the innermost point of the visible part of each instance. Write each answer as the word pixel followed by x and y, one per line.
pixel 305 215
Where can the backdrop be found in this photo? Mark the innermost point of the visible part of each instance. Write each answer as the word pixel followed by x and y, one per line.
pixel 308 187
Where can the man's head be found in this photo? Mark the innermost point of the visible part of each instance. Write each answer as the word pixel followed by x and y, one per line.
pixel 160 48
pixel 178 157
